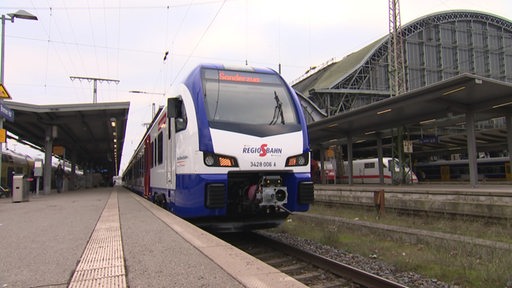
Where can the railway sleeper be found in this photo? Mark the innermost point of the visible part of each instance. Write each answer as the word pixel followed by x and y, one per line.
pixel 335 284
pixel 294 267
pixel 264 255
pixel 279 261
pixel 307 277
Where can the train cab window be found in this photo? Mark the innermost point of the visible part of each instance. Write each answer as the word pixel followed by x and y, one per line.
pixel 393 165
pixel 228 102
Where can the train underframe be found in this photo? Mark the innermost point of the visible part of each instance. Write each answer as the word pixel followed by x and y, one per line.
pixel 255 200
pixel 248 200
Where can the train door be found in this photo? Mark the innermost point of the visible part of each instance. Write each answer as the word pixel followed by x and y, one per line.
pixel 394 169
pixel 370 171
pixel 148 157
pixel 177 121
pixel 10 175
pixel 508 173
pixel 362 172
pixel 445 173
pixel 170 163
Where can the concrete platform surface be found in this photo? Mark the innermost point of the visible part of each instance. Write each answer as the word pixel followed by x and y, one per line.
pixel 110 237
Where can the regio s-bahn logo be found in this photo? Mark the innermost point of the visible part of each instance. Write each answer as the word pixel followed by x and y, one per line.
pixel 263 150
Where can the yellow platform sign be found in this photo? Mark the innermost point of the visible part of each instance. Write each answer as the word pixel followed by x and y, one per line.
pixel 59 150
pixel 3 92
pixel 3 135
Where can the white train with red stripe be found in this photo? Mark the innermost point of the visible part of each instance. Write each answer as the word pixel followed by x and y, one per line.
pixel 366 171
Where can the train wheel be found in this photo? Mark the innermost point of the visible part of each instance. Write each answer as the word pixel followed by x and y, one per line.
pixel 160 200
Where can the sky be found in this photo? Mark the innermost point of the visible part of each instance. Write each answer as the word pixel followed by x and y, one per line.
pixel 127 40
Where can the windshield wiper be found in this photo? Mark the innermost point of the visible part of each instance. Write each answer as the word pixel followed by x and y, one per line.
pixel 278 111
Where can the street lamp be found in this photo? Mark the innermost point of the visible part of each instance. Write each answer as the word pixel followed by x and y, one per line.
pixel 21 14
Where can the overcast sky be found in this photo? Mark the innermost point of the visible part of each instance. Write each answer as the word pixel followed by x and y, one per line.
pixel 127 40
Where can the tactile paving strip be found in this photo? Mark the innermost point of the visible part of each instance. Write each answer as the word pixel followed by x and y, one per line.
pixel 102 263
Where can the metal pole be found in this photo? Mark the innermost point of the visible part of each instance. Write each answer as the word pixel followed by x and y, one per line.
pixel 95 92
pixel 472 149
pixel 2 82
pixel 3 50
pixel 508 119
pixel 350 153
pixel 380 156
pixel 23 15
pixel 1 146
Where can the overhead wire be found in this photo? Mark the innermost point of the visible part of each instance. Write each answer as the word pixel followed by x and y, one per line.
pixel 48 52
pixel 166 51
pixel 171 46
pixel 126 7
pixel 49 45
pixel 118 37
pixel 118 56
pixel 198 42
pixel 77 67
pixel 75 42
pixel 93 36
pixel 106 38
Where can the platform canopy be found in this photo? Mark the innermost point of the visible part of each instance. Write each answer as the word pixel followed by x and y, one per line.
pixel 92 135
pixel 443 104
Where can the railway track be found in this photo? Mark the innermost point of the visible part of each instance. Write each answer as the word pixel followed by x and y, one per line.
pixel 309 268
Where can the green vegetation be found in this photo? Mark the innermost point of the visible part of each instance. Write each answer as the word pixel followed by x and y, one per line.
pixel 457 263
pixel 488 229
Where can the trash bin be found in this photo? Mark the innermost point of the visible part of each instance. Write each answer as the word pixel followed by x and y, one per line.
pixel 19 189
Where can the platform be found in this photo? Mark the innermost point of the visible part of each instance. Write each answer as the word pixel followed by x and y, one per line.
pixel 489 200
pixel 110 237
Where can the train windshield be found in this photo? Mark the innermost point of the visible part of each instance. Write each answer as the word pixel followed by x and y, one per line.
pixel 242 99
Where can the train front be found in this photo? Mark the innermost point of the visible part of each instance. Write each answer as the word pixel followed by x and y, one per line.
pixel 255 149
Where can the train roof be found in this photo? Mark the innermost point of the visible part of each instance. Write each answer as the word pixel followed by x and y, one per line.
pixel 236 68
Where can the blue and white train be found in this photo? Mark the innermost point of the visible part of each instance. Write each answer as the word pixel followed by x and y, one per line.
pixel 230 152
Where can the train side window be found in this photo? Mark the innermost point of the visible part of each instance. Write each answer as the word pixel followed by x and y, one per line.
pixel 181 115
pixel 160 147
pixel 153 153
pixel 369 165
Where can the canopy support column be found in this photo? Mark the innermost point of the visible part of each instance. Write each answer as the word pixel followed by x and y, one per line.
pixel 471 143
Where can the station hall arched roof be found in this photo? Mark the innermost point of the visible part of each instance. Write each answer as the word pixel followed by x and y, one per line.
pixel 335 72
pixel 443 51
pixel 86 131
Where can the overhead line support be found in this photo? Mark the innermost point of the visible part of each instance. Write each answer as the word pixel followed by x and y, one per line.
pixel 95 84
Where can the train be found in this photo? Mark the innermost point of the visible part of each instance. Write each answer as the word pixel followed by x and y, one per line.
pixel 366 171
pixel 489 169
pixel 229 152
pixel 13 163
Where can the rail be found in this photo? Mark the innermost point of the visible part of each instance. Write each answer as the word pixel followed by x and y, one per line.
pixel 344 271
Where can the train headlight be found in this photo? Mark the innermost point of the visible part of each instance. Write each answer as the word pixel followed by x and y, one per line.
pixel 298 160
pixel 209 160
pixel 215 160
